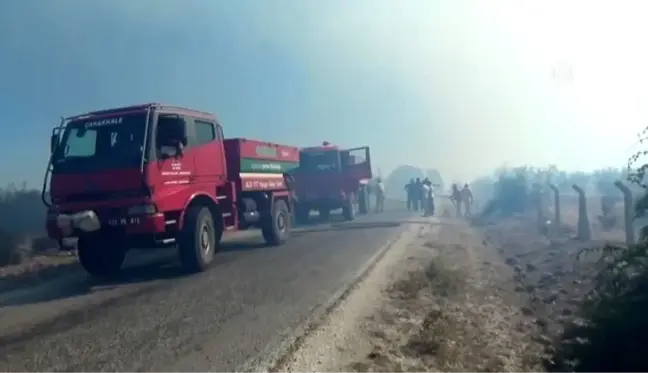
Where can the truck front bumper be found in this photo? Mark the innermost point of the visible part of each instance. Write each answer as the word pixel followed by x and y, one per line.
pixel 63 225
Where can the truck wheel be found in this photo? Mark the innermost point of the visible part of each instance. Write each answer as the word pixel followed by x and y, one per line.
pixel 100 256
pixel 363 202
pixel 276 226
pixel 348 210
pixel 197 242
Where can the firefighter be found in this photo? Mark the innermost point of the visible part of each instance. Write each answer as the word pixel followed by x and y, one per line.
pixel 455 197
pixel 409 189
pixel 467 199
pixel 380 195
pixel 417 194
pixel 428 197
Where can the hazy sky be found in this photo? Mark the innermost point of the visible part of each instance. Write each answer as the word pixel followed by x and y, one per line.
pixel 463 86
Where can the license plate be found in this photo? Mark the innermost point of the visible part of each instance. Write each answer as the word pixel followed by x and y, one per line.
pixel 124 221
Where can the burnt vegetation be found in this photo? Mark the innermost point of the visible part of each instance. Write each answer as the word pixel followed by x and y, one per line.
pixel 610 330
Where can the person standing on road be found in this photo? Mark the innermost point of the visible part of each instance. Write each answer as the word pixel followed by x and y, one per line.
pixel 380 195
pixel 409 189
pixel 455 197
pixel 417 193
pixel 428 197
pixel 467 198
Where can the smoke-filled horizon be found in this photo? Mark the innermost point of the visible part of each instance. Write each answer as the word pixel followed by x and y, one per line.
pixel 601 180
pixel 460 86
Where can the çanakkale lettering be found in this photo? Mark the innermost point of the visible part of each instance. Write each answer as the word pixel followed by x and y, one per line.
pixel 104 122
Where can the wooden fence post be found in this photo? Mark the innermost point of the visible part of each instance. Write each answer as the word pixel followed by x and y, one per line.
pixel 627 212
pixel 584 229
pixel 556 194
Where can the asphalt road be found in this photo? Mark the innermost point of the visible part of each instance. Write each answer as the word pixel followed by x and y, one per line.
pixel 153 318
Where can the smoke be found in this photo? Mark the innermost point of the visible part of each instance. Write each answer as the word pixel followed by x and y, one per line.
pixel 458 86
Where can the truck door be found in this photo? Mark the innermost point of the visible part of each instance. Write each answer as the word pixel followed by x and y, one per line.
pixel 207 146
pixel 356 163
pixel 176 170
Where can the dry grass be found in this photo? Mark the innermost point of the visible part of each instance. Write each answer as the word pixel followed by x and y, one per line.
pixel 33 262
pixel 569 215
pixel 35 270
pixel 494 298
pixel 554 278
pixel 458 314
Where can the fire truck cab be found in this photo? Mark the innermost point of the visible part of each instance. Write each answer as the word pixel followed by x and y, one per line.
pixel 330 178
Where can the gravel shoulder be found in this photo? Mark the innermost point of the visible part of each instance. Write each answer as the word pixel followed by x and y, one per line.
pixel 455 297
pixel 341 339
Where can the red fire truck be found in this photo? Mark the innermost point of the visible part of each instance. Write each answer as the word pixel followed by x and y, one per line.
pixel 330 178
pixel 154 175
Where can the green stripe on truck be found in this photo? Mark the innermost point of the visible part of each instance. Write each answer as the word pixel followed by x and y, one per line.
pixel 265 166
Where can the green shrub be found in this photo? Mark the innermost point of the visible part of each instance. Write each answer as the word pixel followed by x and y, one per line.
pixel 614 329
pixel 511 193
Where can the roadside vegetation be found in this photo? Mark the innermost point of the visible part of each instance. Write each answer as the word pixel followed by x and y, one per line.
pixel 612 328
pixel 22 225
pixel 609 329
pixel 499 294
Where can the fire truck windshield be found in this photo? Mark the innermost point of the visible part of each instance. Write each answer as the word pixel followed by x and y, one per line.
pixel 99 144
pixel 326 160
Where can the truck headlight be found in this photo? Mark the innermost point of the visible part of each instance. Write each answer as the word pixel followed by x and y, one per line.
pixel 87 221
pixel 142 210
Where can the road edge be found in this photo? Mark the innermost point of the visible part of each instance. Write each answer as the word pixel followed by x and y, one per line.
pixel 273 359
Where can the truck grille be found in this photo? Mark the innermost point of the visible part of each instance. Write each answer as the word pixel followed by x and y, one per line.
pixel 99 196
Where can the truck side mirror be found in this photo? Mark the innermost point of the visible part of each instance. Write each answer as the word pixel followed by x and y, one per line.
pixel 54 142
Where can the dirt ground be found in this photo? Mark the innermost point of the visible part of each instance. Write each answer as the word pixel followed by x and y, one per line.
pixel 455 297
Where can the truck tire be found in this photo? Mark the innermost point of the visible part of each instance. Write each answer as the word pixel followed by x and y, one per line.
pixel 363 201
pixel 276 225
pixel 348 210
pixel 100 256
pixel 198 239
